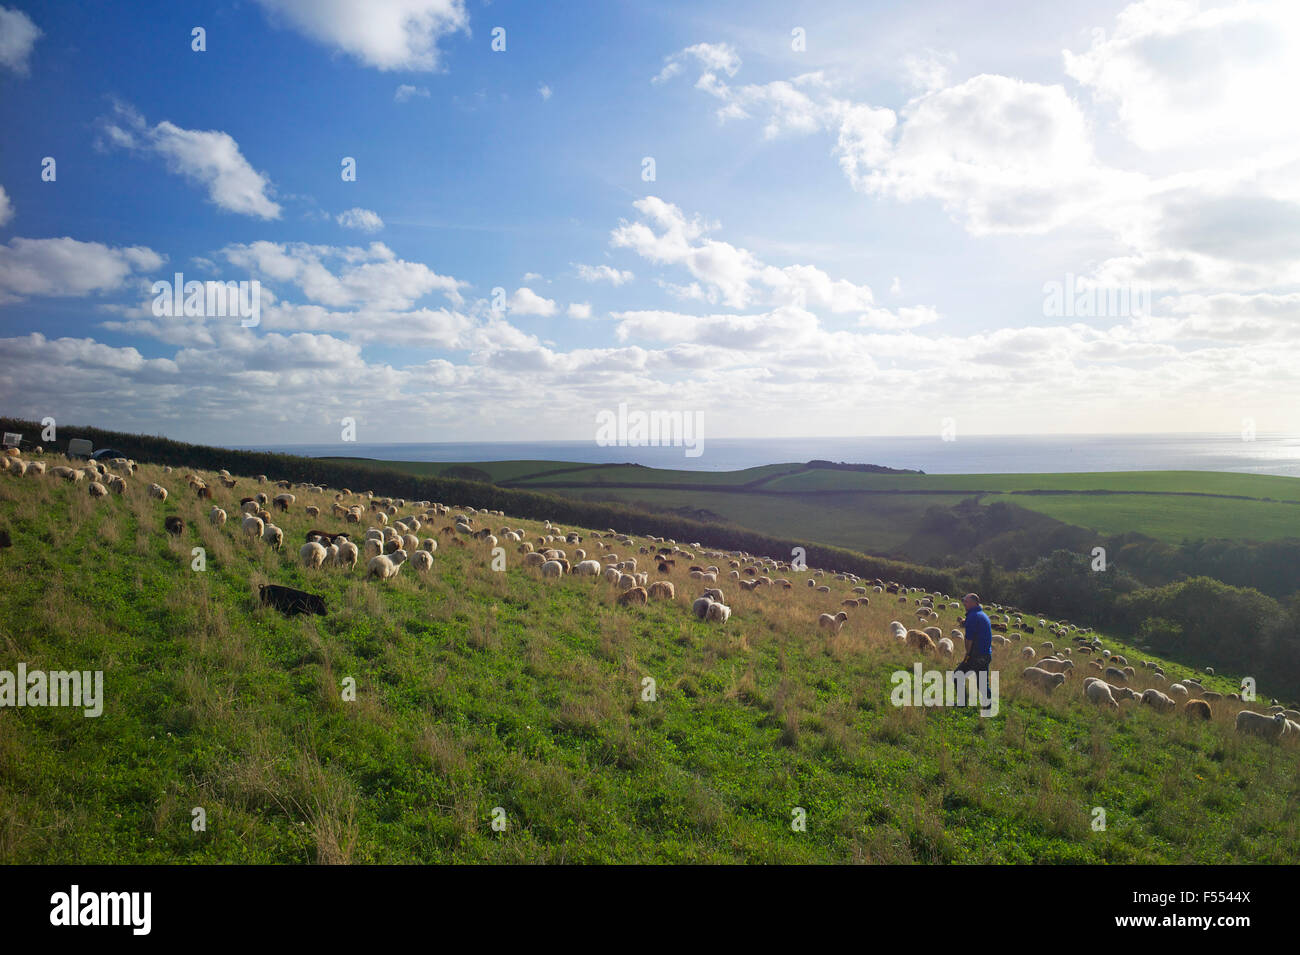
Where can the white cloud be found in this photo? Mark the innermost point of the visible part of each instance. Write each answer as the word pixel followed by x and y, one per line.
pixel 373 277
pixel 928 70
pixel 18 35
pixel 384 34
pixel 714 57
pixel 6 207
pixel 527 302
pixel 545 91
pixel 407 92
pixel 604 273
pixel 68 267
pixel 208 157
pixel 362 219
pixel 1185 77
pixel 581 310
pixel 728 274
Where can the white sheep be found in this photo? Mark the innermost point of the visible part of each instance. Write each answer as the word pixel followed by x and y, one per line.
pixel 833 622
pixel 587 568
pixel 701 607
pixel 97 490
pixel 1177 689
pixel 158 491
pixel 386 566
pixel 1098 692
pixel 1262 724
pixel 1044 679
pixel 217 516
pixel 422 561
pixel 945 646
pixel 553 568
pixel 1158 701
pixel 253 526
pixel 312 554
pixel 347 555
pixel 717 612
pixel 273 535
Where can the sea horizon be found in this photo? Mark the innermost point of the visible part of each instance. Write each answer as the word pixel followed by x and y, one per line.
pixel 1267 453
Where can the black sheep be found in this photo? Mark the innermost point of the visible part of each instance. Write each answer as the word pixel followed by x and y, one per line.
pixel 174 525
pixel 291 602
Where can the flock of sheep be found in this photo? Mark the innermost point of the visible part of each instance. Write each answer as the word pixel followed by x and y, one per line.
pixel 391 541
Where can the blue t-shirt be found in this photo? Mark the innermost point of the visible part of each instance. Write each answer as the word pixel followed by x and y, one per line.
pixel 979 631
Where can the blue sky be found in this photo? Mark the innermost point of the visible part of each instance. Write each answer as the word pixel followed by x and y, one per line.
pixel 852 235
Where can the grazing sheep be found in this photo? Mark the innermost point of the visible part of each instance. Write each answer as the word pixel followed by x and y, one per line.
pixel 1053 665
pixel 312 554
pixel 701 607
pixel 945 646
pixel 552 568
pixel 158 491
pixel 718 612
pixel 1116 674
pixel 386 566
pixel 97 490
pixel 347 554
pixel 662 590
pixel 1098 692
pixel 920 640
pixel 1198 709
pixel 273 535
pixel 217 516
pixel 1177 689
pixel 587 568
pixel 1158 700
pixel 116 483
pixel 174 525
pixel 899 631
pixel 1043 679
pixel 633 595
pixel 282 501
pixel 713 594
pixel 422 561
pixel 291 602
pixel 1027 653
pixel 832 622
pixel 1261 724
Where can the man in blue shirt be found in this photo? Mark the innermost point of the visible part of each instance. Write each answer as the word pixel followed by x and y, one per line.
pixel 979 638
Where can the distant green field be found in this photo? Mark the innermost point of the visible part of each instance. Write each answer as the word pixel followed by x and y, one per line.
pixel 1167 517
pixel 875 511
pixel 872 523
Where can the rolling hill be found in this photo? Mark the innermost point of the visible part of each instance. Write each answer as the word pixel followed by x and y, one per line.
pixel 487 695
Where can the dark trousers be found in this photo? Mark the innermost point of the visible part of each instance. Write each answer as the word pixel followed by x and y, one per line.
pixel 976 663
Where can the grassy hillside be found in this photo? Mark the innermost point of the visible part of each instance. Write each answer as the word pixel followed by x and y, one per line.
pixel 480 689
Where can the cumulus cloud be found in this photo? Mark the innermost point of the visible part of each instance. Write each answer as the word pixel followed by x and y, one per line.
pixel 210 158
pixel 18 35
pixel 725 273
pixel 384 34
pixel 527 302
pixel 362 219
pixel 1180 76
pixel 580 310
pixel 68 267
pixel 344 276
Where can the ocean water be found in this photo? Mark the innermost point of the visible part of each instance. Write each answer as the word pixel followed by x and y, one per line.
pixel 974 454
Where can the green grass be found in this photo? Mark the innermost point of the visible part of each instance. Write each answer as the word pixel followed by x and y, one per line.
pixel 1166 517
pixel 869 523
pixel 479 689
